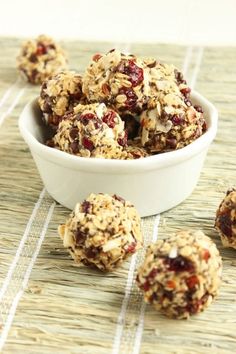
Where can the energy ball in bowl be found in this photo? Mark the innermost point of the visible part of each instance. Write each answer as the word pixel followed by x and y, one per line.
pixel 91 131
pixel 60 94
pixel 165 78
pixel 117 79
pixel 181 275
pixel 225 222
pixel 40 58
pixel 102 231
pixel 170 123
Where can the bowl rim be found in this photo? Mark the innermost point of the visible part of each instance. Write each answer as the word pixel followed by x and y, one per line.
pixel 120 166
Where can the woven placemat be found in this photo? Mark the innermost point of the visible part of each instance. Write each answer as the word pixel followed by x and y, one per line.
pixel 47 303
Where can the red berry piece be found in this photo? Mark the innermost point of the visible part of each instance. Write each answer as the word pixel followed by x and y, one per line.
pixel 177 120
pixel 131 97
pixel 85 118
pixel 179 264
pixel 41 49
pixel 86 206
pixel 96 57
pixel 152 274
pixel 186 91
pixel 206 254
pixel 109 119
pixel 80 237
pixel 88 144
pixel 131 248
pixel 123 141
pixel 192 281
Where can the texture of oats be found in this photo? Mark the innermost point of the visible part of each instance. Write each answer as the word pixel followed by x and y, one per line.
pixel 119 80
pixel 181 275
pixel 60 94
pixel 102 231
pixel 225 222
pixel 40 58
pixel 91 131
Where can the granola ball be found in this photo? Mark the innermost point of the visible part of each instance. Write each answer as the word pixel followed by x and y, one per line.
pixel 102 231
pixel 91 131
pixel 181 275
pixel 170 123
pixel 166 78
pixel 60 94
pixel 225 222
pixel 117 79
pixel 40 58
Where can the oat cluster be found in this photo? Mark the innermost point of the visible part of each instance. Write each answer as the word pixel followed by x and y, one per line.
pixel 181 275
pixel 151 98
pixel 102 231
pixel 59 95
pixel 225 221
pixel 40 58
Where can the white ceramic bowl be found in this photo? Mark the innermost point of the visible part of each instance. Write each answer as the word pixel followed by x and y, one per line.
pixel 153 184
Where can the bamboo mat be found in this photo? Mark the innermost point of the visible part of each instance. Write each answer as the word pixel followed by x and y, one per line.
pixel 47 304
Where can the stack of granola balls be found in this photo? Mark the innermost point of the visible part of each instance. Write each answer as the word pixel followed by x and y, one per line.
pixel 123 107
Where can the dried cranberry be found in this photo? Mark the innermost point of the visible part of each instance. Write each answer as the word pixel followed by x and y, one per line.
pixel 204 126
pixel 86 206
pixel 179 264
pixel 186 91
pixel 145 286
pixel 91 252
pixel 85 118
pixel 206 254
pixel 88 144
pixel 109 119
pixel 177 119
pixel 41 49
pixel 74 147
pixel 80 237
pixel 192 281
pixel 152 274
pixel 123 141
pixel 75 96
pixel 134 72
pixel 131 248
pixel 172 143
pixel 96 57
pixel 131 97
pixel 74 133
pixel 198 109
pixel 194 306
